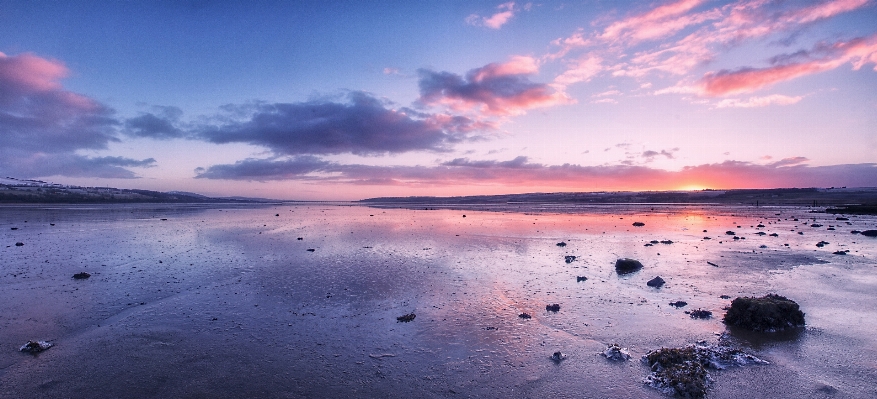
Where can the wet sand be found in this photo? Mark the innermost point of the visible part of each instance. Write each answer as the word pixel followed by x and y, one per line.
pixel 227 302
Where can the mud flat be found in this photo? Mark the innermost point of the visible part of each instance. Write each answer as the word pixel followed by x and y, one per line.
pixel 212 301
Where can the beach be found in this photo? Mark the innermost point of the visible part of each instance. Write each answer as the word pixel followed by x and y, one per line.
pixel 302 300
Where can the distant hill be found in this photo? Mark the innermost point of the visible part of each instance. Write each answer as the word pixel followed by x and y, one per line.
pixel 35 191
pixel 778 196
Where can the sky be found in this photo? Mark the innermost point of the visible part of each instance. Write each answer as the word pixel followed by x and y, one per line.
pixel 345 100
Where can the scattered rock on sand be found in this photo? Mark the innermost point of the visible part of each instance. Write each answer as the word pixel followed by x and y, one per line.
pixel 627 265
pixel 639 224
pixel 569 258
pixel 841 252
pixel 525 316
pixel 730 233
pixel 35 346
pixel 678 304
pixel 81 276
pixel 616 352
pixel 866 233
pixel 579 279
pixel 406 318
pixel 666 242
pixel 19 244
pixel 700 314
pixel 683 371
pixel 821 244
pixel 561 244
pixel 656 282
pixel 769 313
pixel 311 250
pixel 558 357
pixel 774 235
pixel 553 307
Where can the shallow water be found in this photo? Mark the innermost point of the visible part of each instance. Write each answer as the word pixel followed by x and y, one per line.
pixel 227 302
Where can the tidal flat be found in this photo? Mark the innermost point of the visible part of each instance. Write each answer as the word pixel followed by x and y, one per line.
pixel 302 301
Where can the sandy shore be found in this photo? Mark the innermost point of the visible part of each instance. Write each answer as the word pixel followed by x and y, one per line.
pixel 213 302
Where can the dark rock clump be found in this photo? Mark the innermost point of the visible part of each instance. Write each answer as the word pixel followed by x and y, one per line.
pixel 406 318
pixel 840 252
pixel 558 357
pixel 639 224
pixel 842 218
pixel 579 279
pixel 569 258
pixel 730 233
pixel 19 244
pixel 684 371
pixel 666 242
pixel 774 235
pixel 553 307
pixel 821 244
pixel 81 276
pixel 525 316
pixel 768 313
pixel 561 244
pixel 700 314
pixel 678 304
pixel 656 282
pixel 311 250
pixel 866 233
pixel 627 265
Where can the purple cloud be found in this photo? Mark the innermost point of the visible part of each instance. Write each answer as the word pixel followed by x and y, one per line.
pixel 364 125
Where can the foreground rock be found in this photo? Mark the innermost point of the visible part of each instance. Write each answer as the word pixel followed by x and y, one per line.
pixel 866 233
pixel 683 371
pixel 35 346
pixel 627 265
pixel 616 352
pixel 769 313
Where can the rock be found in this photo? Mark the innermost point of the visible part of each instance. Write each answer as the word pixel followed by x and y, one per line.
pixel 569 258
pixel 736 238
pixel 700 314
pixel 654 242
pixel 300 238
pixel 311 250
pixel 821 244
pixel 760 225
pixel 730 233
pixel 769 313
pixel 616 352
pixel 761 233
pixel 558 357
pixel 81 276
pixel 774 235
pixel 656 282
pixel 19 244
pixel 561 244
pixel 712 264
pixel 678 304
pixel 815 225
pixel 666 242
pixel 866 233
pixel 579 279
pixel 683 371
pixel 707 238
pixel 525 316
pixel 13 228
pixel 762 246
pixel 627 266
pixel 639 224
pixel 647 245
pixel 842 218
pixel 35 346
pixel 840 252
pixel 553 307
pixel 406 318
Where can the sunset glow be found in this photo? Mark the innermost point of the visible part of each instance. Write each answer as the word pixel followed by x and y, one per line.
pixel 363 100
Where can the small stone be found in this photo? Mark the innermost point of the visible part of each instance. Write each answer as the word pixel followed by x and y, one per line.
pixel 639 224
pixel 311 250
pixel 866 233
pixel 840 252
pixel 569 258
pixel 579 279
pixel 81 276
pixel 730 233
pixel 553 307
pixel 35 346
pixel 558 356
pixel 19 244
pixel 525 316
pixel 656 282
pixel 774 235
pixel 700 314
pixel 406 318
pixel 561 244
pixel 678 304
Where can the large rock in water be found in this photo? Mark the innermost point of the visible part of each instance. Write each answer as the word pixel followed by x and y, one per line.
pixel 627 265
pixel 769 313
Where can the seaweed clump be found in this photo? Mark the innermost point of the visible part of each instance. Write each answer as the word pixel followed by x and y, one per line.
pixel 684 371
pixel 769 313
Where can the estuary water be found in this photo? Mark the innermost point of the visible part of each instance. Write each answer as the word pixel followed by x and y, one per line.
pixel 301 301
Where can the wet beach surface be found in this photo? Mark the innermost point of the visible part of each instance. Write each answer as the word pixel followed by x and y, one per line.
pixel 187 301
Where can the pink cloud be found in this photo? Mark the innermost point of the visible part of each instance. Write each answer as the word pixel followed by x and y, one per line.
pixel 754 102
pixel 27 72
pixel 494 89
pixel 581 70
pixel 497 20
pixel 857 51
pixel 659 22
